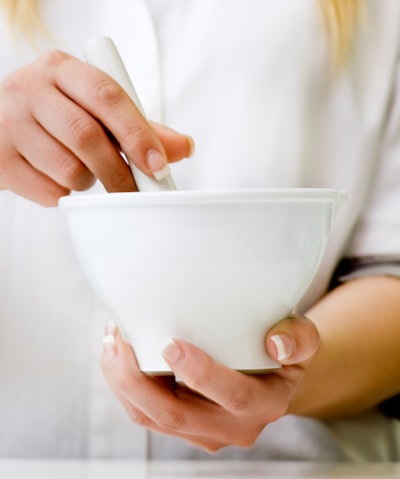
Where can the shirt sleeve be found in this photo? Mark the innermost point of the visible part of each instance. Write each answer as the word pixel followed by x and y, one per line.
pixel 391 407
pixel 353 268
pixel 378 229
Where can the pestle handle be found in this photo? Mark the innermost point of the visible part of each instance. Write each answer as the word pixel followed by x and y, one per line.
pixel 102 53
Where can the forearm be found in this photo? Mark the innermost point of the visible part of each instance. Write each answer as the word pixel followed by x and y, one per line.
pixel 357 364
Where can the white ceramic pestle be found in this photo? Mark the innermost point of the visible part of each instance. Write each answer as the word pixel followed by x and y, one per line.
pixel 102 53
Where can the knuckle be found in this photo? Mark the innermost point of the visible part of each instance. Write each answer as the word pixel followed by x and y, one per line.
pixel 136 133
pixel 75 174
pixel 213 447
pixel 136 138
pixel 17 83
pixel 54 58
pixel 246 442
pixel 85 133
pixel 239 399
pixel 11 83
pixel 138 417
pixel 169 420
pixel 107 91
pixel 246 438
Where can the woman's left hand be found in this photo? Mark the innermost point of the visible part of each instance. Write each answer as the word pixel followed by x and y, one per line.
pixel 212 406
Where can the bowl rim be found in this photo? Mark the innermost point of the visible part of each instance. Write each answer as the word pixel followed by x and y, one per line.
pixel 203 197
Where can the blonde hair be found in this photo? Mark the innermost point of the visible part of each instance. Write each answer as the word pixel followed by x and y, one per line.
pixel 24 17
pixel 341 18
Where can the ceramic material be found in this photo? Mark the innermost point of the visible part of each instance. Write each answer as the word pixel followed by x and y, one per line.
pixel 215 268
pixel 102 53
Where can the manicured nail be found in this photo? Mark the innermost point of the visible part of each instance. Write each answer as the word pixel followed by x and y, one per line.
pixel 192 146
pixel 284 346
pixel 109 347
pixel 172 352
pixel 157 165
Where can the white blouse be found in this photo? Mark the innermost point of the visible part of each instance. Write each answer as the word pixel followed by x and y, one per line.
pixel 250 80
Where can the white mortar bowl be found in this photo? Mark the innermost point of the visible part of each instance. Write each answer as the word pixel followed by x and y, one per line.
pixel 215 268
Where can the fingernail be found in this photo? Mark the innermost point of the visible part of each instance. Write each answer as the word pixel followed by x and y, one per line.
pixel 284 346
pixel 192 146
pixel 157 165
pixel 109 347
pixel 172 352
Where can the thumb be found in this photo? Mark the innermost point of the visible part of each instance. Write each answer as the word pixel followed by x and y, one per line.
pixel 292 340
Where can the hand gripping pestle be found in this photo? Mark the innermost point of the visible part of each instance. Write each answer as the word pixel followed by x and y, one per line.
pixel 102 53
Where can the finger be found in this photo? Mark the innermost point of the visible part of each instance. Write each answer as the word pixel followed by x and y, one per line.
pixel 85 138
pixel 156 402
pixel 148 402
pixel 119 361
pixel 17 175
pixel 105 100
pixel 209 444
pixel 176 145
pixel 240 394
pixel 160 408
pixel 235 431
pixel 293 340
pixel 49 156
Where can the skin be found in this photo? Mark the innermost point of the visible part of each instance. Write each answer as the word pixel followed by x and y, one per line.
pixel 62 135
pixel 358 349
pixel 213 406
pixel 360 329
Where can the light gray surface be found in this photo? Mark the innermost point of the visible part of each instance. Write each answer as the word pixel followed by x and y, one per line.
pixel 20 469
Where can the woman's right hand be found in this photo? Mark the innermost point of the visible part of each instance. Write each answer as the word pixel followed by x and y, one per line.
pixel 62 126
